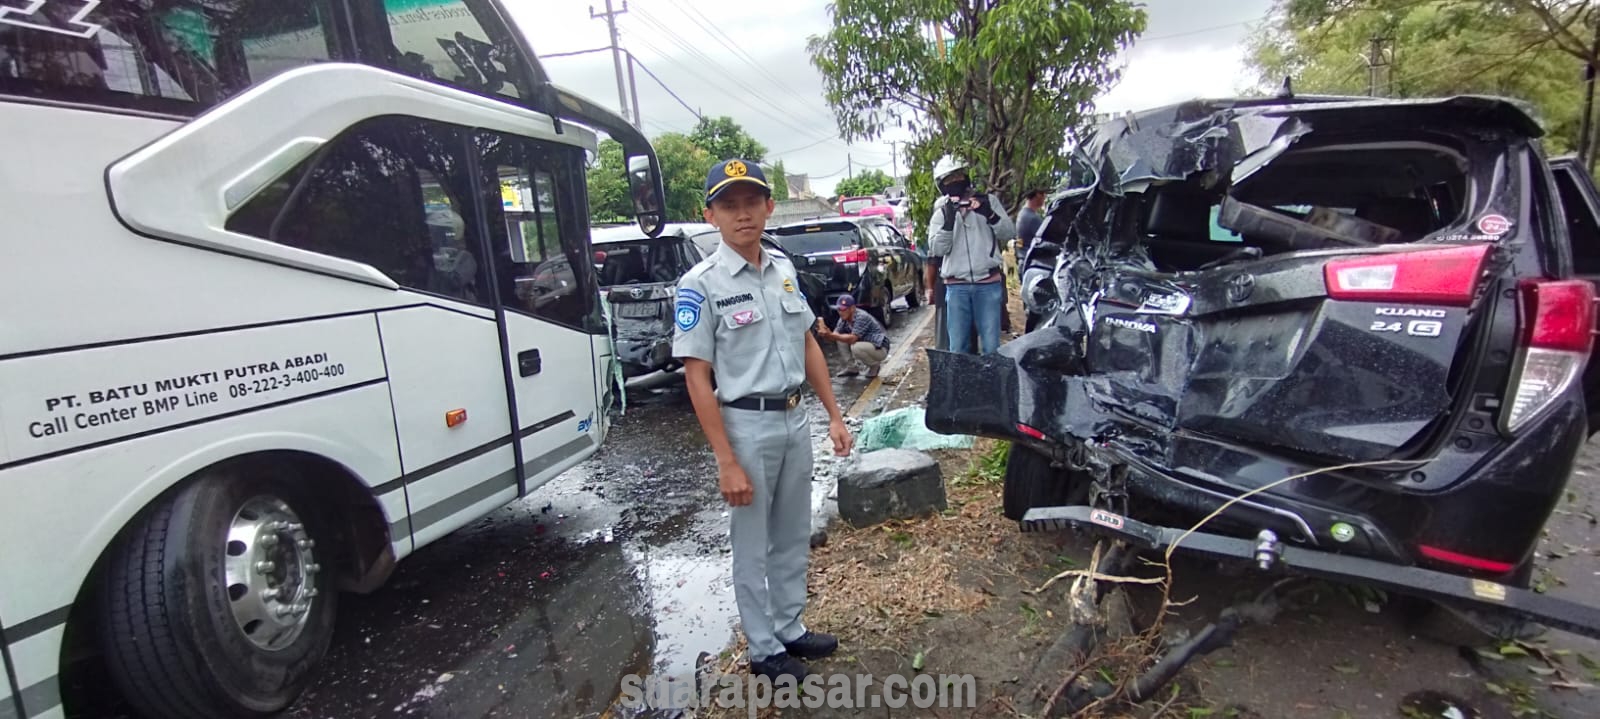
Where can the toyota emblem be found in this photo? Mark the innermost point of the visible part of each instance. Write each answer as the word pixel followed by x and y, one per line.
pixel 637 293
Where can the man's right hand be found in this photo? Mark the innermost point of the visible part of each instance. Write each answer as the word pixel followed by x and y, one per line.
pixel 950 214
pixel 735 485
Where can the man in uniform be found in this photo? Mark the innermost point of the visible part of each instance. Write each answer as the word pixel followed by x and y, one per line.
pixel 741 316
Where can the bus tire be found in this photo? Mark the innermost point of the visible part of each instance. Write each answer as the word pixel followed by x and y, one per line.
pixel 185 581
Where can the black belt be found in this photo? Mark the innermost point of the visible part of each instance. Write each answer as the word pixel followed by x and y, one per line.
pixel 776 404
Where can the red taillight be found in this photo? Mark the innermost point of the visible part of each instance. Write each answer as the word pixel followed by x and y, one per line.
pixel 1463 560
pixel 1558 318
pixel 1558 315
pixel 1029 431
pixel 1435 277
pixel 850 256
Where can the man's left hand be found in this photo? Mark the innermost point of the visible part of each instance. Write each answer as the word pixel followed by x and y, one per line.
pixel 842 441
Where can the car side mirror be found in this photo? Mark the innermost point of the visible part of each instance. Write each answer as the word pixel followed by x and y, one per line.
pixel 644 184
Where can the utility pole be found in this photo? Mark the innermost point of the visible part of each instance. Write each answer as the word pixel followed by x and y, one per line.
pixel 894 157
pixel 1377 59
pixel 849 167
pixel 633 89
pixel 616 51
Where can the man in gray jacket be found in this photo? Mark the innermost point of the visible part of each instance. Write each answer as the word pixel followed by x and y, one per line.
pixel 966 236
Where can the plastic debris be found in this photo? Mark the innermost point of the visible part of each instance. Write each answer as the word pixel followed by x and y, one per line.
pixel 906 429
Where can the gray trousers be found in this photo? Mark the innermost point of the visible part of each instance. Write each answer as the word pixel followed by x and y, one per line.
pixel 772 535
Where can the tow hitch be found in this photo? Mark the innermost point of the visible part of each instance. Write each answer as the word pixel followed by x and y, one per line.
pixel 1268 553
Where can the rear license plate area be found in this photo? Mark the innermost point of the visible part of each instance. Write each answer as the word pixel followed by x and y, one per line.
pixel 638 310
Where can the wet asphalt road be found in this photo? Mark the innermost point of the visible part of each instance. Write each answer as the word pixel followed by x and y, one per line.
pixel 617 567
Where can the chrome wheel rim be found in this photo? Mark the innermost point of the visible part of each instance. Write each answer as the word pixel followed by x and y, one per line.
pixel 270 572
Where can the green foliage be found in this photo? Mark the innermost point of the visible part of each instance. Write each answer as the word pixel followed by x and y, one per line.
pixel 683 170
pixel 609 200
pixel 726 140
pixel 779 181
pixel 1017 76
pixel 870 182
pixel 1444 47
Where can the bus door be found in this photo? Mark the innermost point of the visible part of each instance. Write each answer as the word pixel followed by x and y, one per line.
pixel 545 276
pixel 10 701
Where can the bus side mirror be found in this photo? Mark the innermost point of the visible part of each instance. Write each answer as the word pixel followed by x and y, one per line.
pixel 644 184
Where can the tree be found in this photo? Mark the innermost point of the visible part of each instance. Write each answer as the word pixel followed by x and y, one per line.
pixel 779 181
pixel 684 166
pixel 1014 77
pixel 725 140
pixel 1532 50
pixel 609 199
pixel 870 182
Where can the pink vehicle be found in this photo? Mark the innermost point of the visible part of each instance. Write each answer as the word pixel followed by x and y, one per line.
pixel 871 205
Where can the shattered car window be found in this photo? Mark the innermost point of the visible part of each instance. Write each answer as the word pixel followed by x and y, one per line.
pixel 642 262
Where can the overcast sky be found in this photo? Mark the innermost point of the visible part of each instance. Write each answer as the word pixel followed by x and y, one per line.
pixel 747 60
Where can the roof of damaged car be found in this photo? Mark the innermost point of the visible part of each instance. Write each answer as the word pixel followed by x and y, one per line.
pixel 632 233
pixel 1176 141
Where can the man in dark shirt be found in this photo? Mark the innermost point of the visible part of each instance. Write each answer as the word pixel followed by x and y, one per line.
pixel 859 331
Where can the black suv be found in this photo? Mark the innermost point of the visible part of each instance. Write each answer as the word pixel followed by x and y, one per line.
pixel 865 257
pixel 1375 314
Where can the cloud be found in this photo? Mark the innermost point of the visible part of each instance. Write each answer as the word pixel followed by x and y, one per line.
pixel 748 61
pixel 1161 76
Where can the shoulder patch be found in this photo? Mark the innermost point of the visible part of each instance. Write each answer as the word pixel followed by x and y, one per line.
pixel 688 315
pixel 686 294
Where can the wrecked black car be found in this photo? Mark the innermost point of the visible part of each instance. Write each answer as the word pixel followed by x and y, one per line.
pixel 639 276
pixel 1359 328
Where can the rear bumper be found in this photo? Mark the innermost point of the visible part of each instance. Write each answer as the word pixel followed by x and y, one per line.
pixel 1416 581
pixel 643 355
pixel 1037 382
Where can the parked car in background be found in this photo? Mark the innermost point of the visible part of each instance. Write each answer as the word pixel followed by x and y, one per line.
pixel 812 285
pixel 865 257
pixel 639 277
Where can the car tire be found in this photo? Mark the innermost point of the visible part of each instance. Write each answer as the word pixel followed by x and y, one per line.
pixel 882 314
pixel 914 300
pixel 1031 482
pixel 188 628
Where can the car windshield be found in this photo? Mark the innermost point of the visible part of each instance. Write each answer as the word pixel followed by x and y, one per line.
pixel 641 261
pixel 856 204
pixel 813 239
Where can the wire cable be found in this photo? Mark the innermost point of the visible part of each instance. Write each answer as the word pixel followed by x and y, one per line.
pixel 717 35
pixel 663 85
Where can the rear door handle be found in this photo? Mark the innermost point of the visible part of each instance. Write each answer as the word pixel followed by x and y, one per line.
pixel 528 362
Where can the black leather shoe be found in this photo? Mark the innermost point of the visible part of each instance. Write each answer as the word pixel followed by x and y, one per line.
pixel 780 667
pixel 812 645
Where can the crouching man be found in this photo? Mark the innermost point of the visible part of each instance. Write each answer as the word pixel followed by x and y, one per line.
pixel 859 331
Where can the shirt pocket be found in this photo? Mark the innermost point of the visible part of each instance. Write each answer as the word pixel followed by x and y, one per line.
pixel 744 318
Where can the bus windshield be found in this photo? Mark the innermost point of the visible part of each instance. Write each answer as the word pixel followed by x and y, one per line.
pixel 185 56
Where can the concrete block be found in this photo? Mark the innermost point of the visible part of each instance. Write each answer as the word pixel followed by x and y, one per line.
pixel 890 484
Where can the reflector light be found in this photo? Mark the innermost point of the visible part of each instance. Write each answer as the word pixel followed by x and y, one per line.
pixel 1029 431
pixel 1441 277
pixel 851 256
pixel 1558 319
pixel 1463 560
pixel 1559 315
pixel 455 417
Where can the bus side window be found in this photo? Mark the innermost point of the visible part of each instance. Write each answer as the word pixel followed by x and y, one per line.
pixel 393 193
pixel 540 264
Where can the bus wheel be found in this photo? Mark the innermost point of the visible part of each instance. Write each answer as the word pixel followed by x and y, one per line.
pixel 215 604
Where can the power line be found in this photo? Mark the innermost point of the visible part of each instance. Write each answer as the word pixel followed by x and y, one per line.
pixel 807 147
pixel 663 85
pixel 695 52
pixel 738 50
pixel 1197 32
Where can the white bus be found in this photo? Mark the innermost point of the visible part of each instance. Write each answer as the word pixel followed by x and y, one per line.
pixel 268 323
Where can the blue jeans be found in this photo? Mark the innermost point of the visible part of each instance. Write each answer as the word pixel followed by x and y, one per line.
pixel 973 306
